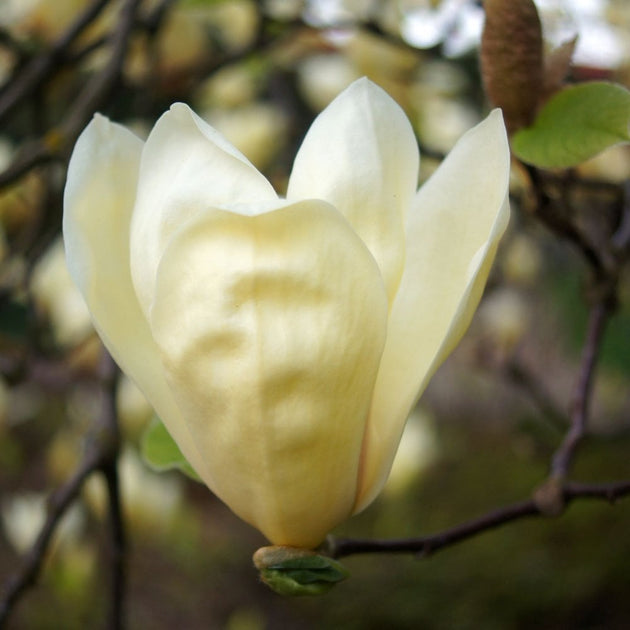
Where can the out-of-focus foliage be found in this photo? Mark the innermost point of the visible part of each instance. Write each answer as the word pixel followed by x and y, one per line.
pixel 576 124
pixel 160 451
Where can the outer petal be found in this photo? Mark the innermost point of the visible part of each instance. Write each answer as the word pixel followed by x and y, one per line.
pixel 99 197
pixel 271 328
pixel 453 231
pixel 361 155
pixel 187 166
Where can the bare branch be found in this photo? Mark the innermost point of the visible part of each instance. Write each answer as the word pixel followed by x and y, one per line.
pixel 548 212
pixel 118 542
pixel 519 375
pixel 26 81
pixel 100 454
pixel 578 412
pixel 59 502
pixel 621 238
pixel 427 545
pixel 56 143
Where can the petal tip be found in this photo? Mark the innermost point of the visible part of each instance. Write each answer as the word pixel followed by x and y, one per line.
pixel 100 124
pixel 180 109
pixel 495 119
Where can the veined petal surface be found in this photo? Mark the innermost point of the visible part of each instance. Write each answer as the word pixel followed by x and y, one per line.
pixel 98 201
pixel 186 167
pixel 271 328
pixel 453 230
pixel 360 154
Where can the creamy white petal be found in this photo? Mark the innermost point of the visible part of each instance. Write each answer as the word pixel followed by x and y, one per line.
pixel 360 154
pixel 271 329
pixel 98 201
pixel 186 167
pixel 453 231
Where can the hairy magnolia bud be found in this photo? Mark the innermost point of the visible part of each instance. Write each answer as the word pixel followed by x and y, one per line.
pixel 512 59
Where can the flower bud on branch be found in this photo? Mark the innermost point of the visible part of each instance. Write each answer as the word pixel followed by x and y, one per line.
pixel 512 59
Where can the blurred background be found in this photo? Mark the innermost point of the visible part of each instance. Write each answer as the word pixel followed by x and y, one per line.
pixel 483 433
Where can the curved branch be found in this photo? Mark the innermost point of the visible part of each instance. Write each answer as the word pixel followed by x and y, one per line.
pixel 101 455
pixel 598 318
pixel 29 78
pixel 59 502
pixel 57 141
pixel 427 545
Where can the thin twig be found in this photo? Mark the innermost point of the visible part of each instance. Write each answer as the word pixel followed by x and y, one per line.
pixel 101 454
pixel 118 576
pixel 621 238
pixel 427 545
pixel 58 141
pixel 102 84
pixel 548 213
pixel 118 542
pixel 59 502
pixel 578 412
pixel 24 83
pixel 523 378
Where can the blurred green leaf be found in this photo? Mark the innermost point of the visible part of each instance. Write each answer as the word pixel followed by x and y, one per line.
pixel 576 124
pixel 160 451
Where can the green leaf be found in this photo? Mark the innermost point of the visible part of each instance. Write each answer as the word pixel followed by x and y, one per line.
pixel 160 451
pixel 576 124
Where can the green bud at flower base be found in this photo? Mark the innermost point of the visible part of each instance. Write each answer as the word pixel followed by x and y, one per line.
pixel 284 341
pixel 294 572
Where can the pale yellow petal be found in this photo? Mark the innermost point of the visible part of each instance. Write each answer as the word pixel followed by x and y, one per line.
pixel 187 166
pixel 271 328
pixel 99 197
pixel 360 154
pixel 453 231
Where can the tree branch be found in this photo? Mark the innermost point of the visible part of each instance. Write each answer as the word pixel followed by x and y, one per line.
pixel 552 497
pixel 578 412
pixel 24 83
pixel 100 455
pixel 518 374
pixel 59 502
pixel 57 141
pixel 427 545
pixel 118 539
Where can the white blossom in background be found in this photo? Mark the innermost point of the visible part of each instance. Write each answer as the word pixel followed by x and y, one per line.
pixel 419 448
pixel 150 500
pixel 322 77
pixel 23 516
pixel 600 44
pixel 58 297
pixel 133 409
pixel 257 129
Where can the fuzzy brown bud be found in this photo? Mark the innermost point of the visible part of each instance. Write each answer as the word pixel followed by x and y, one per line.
pixel 512 59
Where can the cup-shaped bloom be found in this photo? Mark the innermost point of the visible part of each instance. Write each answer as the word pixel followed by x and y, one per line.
pixel 284 341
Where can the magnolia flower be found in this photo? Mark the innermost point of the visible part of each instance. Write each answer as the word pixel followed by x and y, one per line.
pixel 284 341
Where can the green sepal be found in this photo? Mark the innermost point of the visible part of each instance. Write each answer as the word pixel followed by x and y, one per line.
pixel 301 573
pixel 160 451
pixel 576 124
